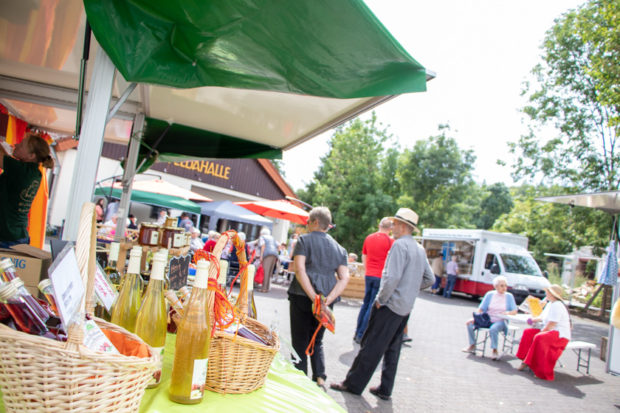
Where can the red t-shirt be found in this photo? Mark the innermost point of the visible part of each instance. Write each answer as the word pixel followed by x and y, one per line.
pixel 376 247
pixel 209 245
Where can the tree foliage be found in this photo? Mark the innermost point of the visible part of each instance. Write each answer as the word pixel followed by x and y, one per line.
pixel 496 201
pixel 435 180
pixel 553 228
pixel 351 179
pixel 576 93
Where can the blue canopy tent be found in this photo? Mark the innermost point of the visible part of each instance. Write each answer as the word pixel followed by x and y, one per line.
pixel 227 210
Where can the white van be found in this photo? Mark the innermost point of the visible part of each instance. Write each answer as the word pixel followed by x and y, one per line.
pixel 482 255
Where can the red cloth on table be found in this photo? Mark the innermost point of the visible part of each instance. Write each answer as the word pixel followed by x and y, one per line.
pixel 540 351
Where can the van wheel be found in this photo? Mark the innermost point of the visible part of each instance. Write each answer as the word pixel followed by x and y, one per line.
pixel 475 297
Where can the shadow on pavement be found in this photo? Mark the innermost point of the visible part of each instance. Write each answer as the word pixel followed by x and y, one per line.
pixel 355 403
pixel 565 384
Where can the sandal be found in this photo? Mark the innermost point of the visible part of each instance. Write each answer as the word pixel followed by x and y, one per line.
pixel 522 367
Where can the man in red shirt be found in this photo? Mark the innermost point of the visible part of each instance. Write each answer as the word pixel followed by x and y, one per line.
pixel 374 252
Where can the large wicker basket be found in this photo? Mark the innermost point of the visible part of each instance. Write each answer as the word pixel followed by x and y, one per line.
pixel 237 364
pixel 44 375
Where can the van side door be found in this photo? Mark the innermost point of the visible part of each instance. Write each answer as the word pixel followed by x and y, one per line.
pixel 491 267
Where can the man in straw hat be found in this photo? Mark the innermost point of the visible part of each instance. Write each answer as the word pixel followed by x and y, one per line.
pixel 540 349
pixel 405 273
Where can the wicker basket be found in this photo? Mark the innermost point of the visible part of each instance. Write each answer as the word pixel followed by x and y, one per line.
pixel 43 375
pixel 237 364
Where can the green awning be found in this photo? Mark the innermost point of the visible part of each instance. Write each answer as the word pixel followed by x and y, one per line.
pixel 165 201
pixel 164 142
pixel 329 48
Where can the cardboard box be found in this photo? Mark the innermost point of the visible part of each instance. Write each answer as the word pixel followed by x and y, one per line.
pixel 31 264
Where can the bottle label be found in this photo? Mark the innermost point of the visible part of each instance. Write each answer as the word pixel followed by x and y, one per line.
pixel 160 361
pixel 199 378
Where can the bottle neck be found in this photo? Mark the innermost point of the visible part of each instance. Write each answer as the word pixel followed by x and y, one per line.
pixel 134 265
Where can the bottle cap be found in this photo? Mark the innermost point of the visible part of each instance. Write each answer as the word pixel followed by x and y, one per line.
pixel 7 290
pixel 135 258
pixel 159 265
pixel 44 284
pixel 202 274
pixel 114 249
pixel 17 282
pixel 5 263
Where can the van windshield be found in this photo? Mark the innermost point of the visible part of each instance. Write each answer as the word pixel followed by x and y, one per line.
pixel 520 264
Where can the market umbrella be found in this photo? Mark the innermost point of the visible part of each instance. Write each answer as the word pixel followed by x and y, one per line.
pixel 277 209
pixel 154 194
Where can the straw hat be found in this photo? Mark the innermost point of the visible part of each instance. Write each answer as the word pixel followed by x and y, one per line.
pixel 407 216
pixel 556 291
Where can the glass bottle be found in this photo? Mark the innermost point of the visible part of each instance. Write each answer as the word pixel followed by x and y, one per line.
pixel 189 370
pixel 24 316
pixel 8 274
pixel 152 319
pixel 45 286
pixel 127 304
pixel 251 304
pixel 110 269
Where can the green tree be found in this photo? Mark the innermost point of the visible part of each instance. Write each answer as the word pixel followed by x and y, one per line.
pixel 496 202
pixel 552 228
pixel 576 93
pixel 435 180
pixel 350 181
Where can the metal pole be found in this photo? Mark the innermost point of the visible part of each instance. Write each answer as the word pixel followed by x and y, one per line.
pixel 91 142
pixel 128 175
pixel 83 62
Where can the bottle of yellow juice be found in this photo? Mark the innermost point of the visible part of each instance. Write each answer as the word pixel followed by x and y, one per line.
pixel 189 370
pixel 127 304
pixel 152 319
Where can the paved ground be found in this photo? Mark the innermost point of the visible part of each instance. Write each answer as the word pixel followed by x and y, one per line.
pixel 435 376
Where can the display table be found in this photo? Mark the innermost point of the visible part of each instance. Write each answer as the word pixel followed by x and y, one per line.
pixel 286 390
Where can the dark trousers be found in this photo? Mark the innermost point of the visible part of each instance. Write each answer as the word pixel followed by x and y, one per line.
pixel 372 288
pixel 383 338
pixel 303 326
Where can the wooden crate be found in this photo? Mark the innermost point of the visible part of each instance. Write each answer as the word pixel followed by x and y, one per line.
pixel 356 288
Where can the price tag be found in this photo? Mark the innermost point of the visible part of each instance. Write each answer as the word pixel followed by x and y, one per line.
pixel 106 293
pixel 64 274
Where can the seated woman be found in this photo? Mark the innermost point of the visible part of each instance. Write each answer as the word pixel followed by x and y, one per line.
pixel 495 303
pixel 540 349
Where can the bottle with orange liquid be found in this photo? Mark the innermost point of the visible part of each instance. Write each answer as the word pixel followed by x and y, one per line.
pixel 189 369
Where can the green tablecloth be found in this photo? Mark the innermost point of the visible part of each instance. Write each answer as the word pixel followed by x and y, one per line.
pixel 286 390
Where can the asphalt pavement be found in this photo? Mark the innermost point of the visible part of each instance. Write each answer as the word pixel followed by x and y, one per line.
pixel 435 376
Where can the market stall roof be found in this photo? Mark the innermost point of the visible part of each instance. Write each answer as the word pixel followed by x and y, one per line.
pixel 227 210
pixel 271 75
pixel 280 209
pixel 156 192
pixel 604 201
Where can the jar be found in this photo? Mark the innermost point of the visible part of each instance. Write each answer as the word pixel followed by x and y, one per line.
pixel 149 235
pixel 173 237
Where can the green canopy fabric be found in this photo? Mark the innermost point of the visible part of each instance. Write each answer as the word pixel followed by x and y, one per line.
pixel 329 48
pixel 163 142
pixel 165 201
